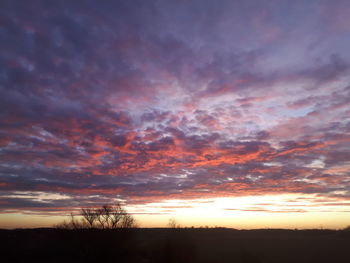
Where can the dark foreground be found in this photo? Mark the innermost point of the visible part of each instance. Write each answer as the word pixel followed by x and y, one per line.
pixel 175 245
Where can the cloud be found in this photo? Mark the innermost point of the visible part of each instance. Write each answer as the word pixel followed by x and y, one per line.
pixel 149 101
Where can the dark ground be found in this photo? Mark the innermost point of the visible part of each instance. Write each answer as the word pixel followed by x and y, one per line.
pixel 175 245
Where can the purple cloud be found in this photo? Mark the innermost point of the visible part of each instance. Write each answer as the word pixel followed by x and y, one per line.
pixel 146 101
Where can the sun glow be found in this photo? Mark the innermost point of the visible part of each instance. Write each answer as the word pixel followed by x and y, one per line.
pixel 285 211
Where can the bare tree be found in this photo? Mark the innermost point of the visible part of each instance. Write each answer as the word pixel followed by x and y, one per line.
pixel 173 223
pixel 72 223
pixel 117 215
pixel 100 218
pixel 128 221
pixel 89 215
pixel 75 224
pixel 106 217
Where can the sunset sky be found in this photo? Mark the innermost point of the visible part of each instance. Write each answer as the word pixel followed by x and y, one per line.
pixel 220 113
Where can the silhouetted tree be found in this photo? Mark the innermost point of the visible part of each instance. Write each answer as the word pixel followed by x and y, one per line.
pixel 102 216
pixel 117 215
pixel 72 223
pixel 127 221
pixel 106 217
pixel 173 224
pixel 89 215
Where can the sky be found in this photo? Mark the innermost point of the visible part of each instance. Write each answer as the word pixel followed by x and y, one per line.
pixel 215 113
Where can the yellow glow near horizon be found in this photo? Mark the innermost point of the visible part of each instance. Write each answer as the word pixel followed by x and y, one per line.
pixel 268 211
pixel 274 211
pixel 18 220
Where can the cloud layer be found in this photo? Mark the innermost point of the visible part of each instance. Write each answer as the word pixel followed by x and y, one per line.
pixel 144 101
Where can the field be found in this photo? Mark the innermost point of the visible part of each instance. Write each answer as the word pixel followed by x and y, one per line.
pixel 216 245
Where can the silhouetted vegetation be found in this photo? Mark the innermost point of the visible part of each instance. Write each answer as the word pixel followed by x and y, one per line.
pixel 106 217
pixel 347 228
pixel 173 223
